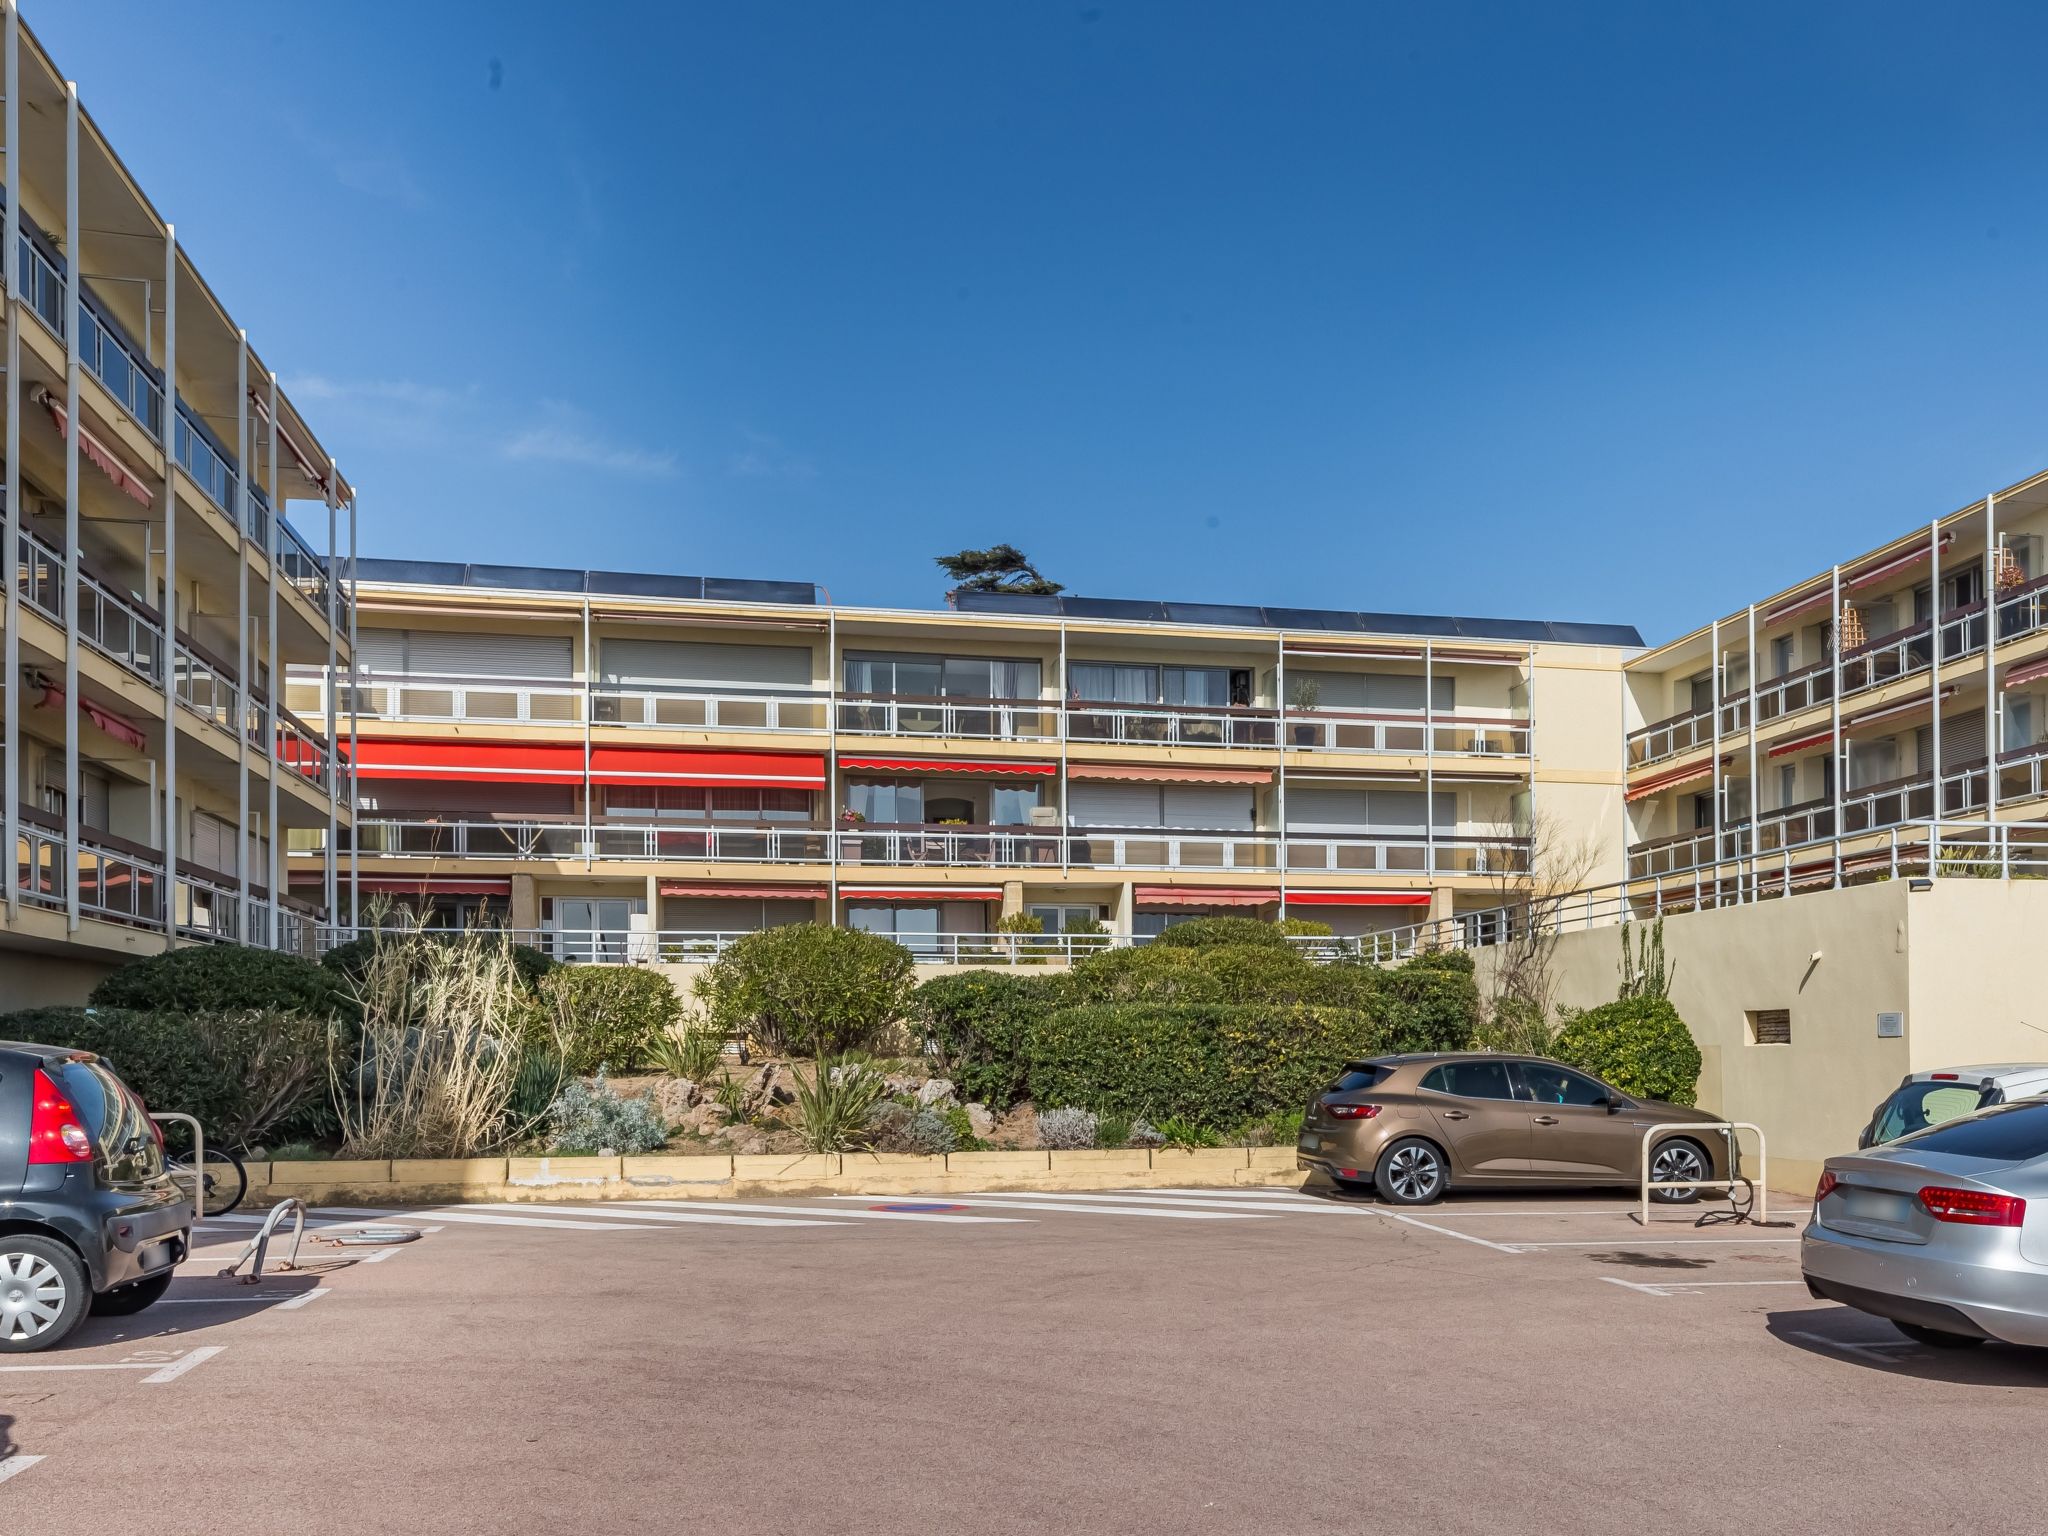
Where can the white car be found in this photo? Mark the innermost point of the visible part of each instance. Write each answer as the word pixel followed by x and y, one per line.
pixel 1925 1099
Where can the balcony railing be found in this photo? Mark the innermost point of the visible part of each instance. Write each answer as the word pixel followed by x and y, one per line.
pixel 118 881
pixel 105 353
pixel 1413 734
pixel 1162 725
pixel 1445 855
pixel 879 714
pixel 107 621
pixel 697 709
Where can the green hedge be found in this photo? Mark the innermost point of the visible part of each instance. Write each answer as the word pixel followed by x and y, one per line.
pixel 1639 1044
pixel 1203 932
pixel 1213 1064
pixel 349 961
pixel 608 1015
pixel 982 1022
pixel 1431 1003
pixel 810 989
pixel 206 978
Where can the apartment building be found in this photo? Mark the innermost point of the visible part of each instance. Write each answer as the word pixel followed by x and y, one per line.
pixel 152 774
pixel 1888 715
pixel 641 767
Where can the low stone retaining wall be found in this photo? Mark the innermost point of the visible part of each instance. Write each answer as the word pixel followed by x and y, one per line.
pixel 663 1177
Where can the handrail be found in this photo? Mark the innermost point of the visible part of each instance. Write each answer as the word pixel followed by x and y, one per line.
pixel 198 1158
pixel 1729 1128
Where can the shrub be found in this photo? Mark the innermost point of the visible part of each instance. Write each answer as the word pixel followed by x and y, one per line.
pixel 240 1073
pixel 349 961
pixel 834 1104
pixel 1514 1025
pixel 894 1126
pixel 1144 1134
pixel 1186 1134
pixel 1211 1064
pixel 609 1015
pixel 1429 1004
pixel 1204 932
pixel 211 978
pixel 535 1086
pixel 1114 1130
pixel 1638 1044
pixel 593 1117
pixel 809 989
pixel 1067 1130
pixel 981 1023
pixel 1154 973
pixel 692 1051
pixel 1306 928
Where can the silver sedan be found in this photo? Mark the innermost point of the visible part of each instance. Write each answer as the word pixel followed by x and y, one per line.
pixel 1945 1233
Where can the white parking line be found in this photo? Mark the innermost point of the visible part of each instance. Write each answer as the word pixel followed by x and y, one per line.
pixel 248 1299
pixel 1429 1226
pixel 14 1466
pixel 1004 1202
pixel 837 1213
pixel 191 1360
pixel 1681 1287
pixel 1880 1350
pixel 610 1217
pixel 1112 1199
pixel 1661 1242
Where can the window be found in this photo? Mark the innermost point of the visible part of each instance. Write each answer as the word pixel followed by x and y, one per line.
pixel 1125 683
pixel 213 844
pixel 1700 692
pixel 1921 1106
pixel 888 803
pixel 1011 805
pixel 1358 1076
pixel 1056 918
pixel 1784 655
pixel 1469 1079
pixel 915 928
pixel 2019 724
pixel 1770 1026
pixel 948 677
pixel 2011 1133
pixel 683 803
pixel 1544 1083
pixel 1788 785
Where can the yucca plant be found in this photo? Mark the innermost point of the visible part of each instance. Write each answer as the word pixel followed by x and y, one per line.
pixel 692 1051
pixel 834 1103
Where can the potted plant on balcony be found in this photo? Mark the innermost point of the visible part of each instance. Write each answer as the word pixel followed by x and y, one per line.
pixel 1303 695
pixel 850 846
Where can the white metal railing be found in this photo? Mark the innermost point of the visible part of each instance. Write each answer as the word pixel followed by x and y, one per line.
pixel 204 689
pixel 205 910
pixel 1140 725
pixel 701 709
pixel 301 748
pixel 39 866
pixel 964 719
pixel 1411 733
pixel 107 621
pixel 1446 855
pixel 119 886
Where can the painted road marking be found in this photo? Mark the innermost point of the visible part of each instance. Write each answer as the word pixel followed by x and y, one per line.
pixel 291 1298
pixel 1662 1242
pixel 607 1214
pixel 191 1360
pixel 1005 1202
pixel 1880 1350
pixel 484 1219
pixel 1112 1199
pixel 14 1466
pixel 1682 1287
pixel 947 1210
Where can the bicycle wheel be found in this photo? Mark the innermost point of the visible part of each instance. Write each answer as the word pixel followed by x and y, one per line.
pixel 224 1178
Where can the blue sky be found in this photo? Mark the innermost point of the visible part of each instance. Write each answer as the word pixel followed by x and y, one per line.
pixel 1615 312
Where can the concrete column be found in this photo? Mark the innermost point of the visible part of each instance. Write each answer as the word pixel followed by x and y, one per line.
pixel 1123 908
pixel 1013 898
pixel 525 914
pixel 72 363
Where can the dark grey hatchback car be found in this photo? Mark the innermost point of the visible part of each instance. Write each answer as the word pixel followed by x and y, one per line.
pixel 89 1221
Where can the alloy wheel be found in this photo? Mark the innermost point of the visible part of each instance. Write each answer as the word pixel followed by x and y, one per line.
pixel 1414 1172
pixel 1676 1162
pixel 31 1295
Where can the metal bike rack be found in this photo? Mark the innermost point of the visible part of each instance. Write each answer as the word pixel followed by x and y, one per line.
pixel 1728 1128
pixel 198 1160
pixel 259 1245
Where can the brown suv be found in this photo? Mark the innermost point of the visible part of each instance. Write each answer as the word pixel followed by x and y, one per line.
pixel 1412 1126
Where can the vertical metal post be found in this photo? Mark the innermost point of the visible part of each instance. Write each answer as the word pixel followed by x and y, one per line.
pixel 329 888
pixel 1991 741
pixel 1429 765
pixel 1714 702
pixel 589 832
pixel 242 923
pixel 832 761
pixel 1280 779
pixel 1934 607
pixel 1529 708
pixel 1060 686
pixel 355 684
pixel 11 756
pixel 275 867
pixel 1756 788
pixel 1837 756
pixel 72 268
pixel 170 588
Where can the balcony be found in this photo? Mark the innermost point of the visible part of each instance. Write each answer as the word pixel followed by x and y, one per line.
pixel 966 719
pixel 919 846
pixel 1412 734
pixel 118 881
pixel 116 626
pixel 1888 659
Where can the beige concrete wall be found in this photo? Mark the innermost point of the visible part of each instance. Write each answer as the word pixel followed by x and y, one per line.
pixel 1579 709
pixel 30 980
pixel 1976 983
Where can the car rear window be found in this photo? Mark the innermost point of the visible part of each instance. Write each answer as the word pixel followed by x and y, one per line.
pixel 2011 1133
pixel 1921 1106
pixel 1358 1076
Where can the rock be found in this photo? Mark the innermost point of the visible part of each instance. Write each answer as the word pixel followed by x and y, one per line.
pixel 899 1083
pixel 937 1090
pixel 768 1087
pixel 745 1141
pixel 675 1097
pixel 980 1122
pixel 704 1119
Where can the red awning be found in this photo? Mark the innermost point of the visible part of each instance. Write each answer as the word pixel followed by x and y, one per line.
pixel 1643 788
pixel 1132 773
pixel 1358 898
pixel 119 727
pixel 1896 713
pixel 1800 743
pixel 1199 896
pixel 434 885
pixel 724 770
pixel 921 892
pixel 950 765
pixel 1868 576
pixel 2033 671
pixel 474 762
pixel 745 892
pixel 108 461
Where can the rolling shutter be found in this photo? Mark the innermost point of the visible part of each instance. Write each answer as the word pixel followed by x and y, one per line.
pixel 1209 807
pixel 1115 805
pixel 677 663
pixel 436 653
pixel 1326 810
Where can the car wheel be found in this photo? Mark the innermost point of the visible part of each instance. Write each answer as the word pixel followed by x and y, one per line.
pixel 1411 1172
pixel 1678 1161
pixel 43 1292
pixel 127 1300
pixel 1936 1338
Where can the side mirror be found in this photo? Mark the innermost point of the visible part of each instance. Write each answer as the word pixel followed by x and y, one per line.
pixel 1615 1105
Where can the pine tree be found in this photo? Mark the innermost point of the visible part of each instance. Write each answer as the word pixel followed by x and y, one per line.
pixel 999 568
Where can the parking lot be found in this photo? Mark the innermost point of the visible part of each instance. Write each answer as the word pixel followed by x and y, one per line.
pixel 1152 1360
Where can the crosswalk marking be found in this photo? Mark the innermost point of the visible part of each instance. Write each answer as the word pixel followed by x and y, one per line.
pixel 1125 1198
pixel 614 1213
pixel 1005 1202
pixel 937 1216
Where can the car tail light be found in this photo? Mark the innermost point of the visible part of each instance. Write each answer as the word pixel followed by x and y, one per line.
pixel 1825 1187
pixel 54 1134
pixel 1973 1207
pixel 1944 1077
pixel 1351 1111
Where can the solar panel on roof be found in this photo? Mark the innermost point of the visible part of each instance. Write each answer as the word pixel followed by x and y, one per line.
pixel 1213 613
pixel 1114 608
pixel 1597 634
pixel 1426 624
pixel 640 584
pixel 426 573
pixel 1503 629
pixel 732 589
pixel 526 578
